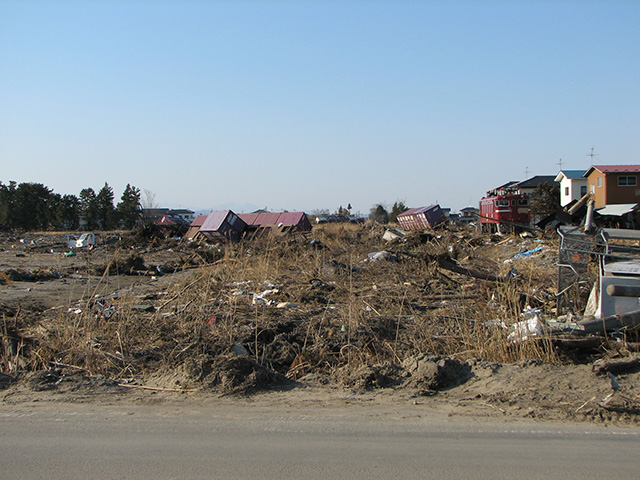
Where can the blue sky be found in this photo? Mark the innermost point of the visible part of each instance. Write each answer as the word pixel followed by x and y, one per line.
pixel 304 105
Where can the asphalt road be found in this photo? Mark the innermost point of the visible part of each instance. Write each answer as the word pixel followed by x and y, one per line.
pixel 244 442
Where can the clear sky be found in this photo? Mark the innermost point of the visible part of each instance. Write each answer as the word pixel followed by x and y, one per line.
pixel 303 105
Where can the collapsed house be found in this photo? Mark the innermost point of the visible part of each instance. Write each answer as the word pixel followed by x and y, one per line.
pixel 277 222
pixel 172 224
pixel 194 229
pixel 421 218
pixel 225 224
pixel 222 224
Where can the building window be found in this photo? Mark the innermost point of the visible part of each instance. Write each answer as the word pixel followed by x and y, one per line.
pixel 627 181
pixel 583 190
pixel 599 182
pixel 593 188
pixel 566 191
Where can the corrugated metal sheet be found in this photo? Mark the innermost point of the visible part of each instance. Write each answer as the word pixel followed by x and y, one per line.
pixel 617 210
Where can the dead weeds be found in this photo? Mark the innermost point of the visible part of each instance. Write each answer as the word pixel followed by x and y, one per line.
pixel 271 311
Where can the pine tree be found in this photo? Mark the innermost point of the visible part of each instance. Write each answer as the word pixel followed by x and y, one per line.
pixel 130 207
pixel 7 202
pixel 89 207
pixel 398 208
pixel 68 212
pixel 379 214
pixel 31 206
pixel 105 209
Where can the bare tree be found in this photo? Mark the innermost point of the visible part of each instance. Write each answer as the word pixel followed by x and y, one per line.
pixel 148 199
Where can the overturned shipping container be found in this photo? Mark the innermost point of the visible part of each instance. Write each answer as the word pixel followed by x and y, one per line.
pixel 421 218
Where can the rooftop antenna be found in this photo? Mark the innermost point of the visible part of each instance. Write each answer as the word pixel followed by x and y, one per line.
pixel 592 155
pixel 560 163
pixel 526 172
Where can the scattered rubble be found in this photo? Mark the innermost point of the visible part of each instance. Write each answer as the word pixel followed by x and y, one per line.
pixel 446 315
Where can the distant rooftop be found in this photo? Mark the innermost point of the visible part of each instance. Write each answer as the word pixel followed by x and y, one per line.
pixel 533 182
pixel 573 173
pixel 614 169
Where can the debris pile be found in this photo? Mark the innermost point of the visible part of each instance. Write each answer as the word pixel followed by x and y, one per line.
pixel 345 305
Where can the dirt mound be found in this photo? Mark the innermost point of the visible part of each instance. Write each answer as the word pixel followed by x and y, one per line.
pixel 428 372
pixel 424 373
pixel 230 374
pixel 60 382
pixel 6 381
pixel 367 377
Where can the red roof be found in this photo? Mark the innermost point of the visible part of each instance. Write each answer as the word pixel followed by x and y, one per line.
pixel 249 218
pixel 614 169
pixel 199 220
pixel 269 219
pixel 291 218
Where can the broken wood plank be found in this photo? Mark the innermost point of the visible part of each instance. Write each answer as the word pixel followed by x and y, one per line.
pixel 610 323
pixel 155 389
pixel 616 365
pixel 452 267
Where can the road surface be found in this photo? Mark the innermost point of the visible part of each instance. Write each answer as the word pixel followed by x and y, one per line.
pixel 67 441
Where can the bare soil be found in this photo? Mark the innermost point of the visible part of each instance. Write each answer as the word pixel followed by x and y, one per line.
pixel 302 318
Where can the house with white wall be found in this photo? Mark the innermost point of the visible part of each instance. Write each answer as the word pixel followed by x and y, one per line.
pixel 573 185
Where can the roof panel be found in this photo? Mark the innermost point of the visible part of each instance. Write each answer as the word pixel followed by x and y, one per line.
pixel 570 174
pixel 617 168
pixel 250 218
pixel 291 218
pixel 537 180
pixel 198 221
pixel 417 210
pixel 617 210
pixel 214 220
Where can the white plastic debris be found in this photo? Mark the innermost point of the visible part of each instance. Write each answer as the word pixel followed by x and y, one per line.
pixel 531 326
pixel 377 256
pixel 258 300
pixel 286 305
pixel 525 329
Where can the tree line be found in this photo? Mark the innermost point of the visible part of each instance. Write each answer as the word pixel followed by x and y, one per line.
pixel 34 206
pixel 381 215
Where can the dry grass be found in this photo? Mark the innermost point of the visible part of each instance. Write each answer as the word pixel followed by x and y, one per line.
pixel 356 313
